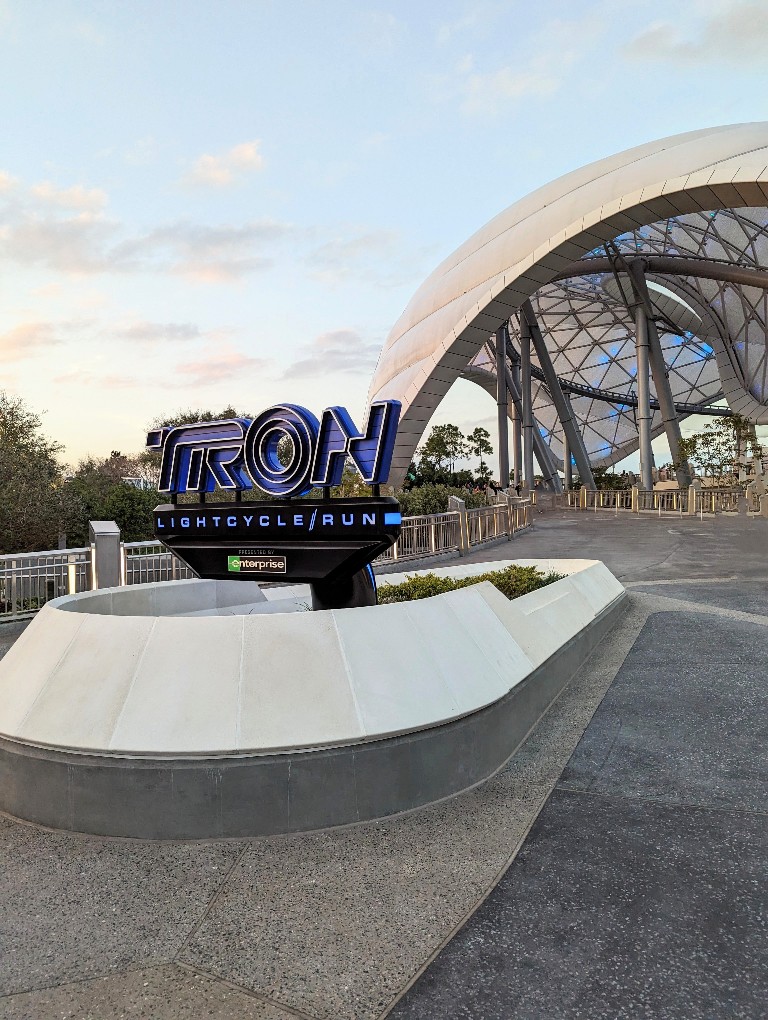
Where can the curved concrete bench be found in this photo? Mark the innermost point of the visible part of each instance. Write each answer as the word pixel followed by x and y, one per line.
pixel 197 708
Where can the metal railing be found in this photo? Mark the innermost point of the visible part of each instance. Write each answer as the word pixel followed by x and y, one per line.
pixel 712 501
pixel 661 501
pixel 457 530
pixel 143 562
pixel 29 580
pixel 427 535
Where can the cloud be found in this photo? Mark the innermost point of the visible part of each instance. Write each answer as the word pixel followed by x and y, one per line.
pixel 85 377
pixel 77 198
pixel 341 350
pixel 208 254
pixel 228 168
pixel 26 340
pixel 218 366
pixel 489 94
pixel 6 181
pixel 67 230
pixel 480 19
pixel 71 245
pixel 157 332
pixel 736 34
pixel 556 47
pixel 142 152
pixel 31 338
pixel 376 256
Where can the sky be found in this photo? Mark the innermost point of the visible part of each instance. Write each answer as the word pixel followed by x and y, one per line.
pixel 213 203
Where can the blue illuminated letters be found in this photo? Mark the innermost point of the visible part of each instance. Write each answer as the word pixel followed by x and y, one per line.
pixel 239 453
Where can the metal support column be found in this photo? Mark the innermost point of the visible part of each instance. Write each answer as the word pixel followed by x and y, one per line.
pixel 540 449
pixel 562 406
pixel 501 404
pixel 567 471
pixel 517 449
pixel 517 424
pixel 527 402
pixel 660 377
pixel 515 412
pixel 643 396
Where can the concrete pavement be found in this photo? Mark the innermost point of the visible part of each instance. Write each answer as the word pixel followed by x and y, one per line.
pixel 627 880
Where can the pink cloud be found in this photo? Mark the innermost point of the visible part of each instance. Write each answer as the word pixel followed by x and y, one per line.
pixel 26 340
pixel 219 366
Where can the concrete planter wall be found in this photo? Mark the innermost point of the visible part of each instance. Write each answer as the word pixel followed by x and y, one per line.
pixel 176 711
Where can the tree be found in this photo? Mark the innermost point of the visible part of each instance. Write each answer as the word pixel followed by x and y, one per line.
pixel 102 493
pixel 479 443
pixel 35 507
pixel 444 445
pixel 605 479
pixel 148 461
pixel 714 451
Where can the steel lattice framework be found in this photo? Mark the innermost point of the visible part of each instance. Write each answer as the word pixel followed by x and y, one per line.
pixel 693 209
pixel 590 331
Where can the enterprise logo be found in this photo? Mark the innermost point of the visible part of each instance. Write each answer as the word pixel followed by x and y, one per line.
pixel 256 564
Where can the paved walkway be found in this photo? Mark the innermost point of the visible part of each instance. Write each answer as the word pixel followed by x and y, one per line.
pixel 616 868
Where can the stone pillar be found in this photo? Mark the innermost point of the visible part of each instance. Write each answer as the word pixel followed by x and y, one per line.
pixel 693 491
pixel 105 554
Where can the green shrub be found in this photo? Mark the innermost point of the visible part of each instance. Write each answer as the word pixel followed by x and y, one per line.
pixel 512 581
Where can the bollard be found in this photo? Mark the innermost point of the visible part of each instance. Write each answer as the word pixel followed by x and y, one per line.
pixel 105 554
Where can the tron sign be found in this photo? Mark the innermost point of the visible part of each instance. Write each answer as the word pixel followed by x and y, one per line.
pixel 238 453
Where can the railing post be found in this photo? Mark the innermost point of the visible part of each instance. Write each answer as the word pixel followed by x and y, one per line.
pixel 510 517
pixel 583 496
pixel 458 505
pixel 105 554
pixel 635 500
pixel 692 492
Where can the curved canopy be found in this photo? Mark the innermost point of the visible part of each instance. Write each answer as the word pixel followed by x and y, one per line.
pixel 699 196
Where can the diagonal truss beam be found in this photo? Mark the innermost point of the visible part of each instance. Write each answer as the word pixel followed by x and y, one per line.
pixel 562 406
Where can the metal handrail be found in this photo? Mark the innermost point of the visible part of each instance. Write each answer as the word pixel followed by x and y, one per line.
pixel 29 580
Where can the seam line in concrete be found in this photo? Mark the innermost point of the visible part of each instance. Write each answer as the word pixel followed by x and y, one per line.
pixel 682 605
pixel 100 976
pixel 249 992
pixel 472 910
pixel 211 903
